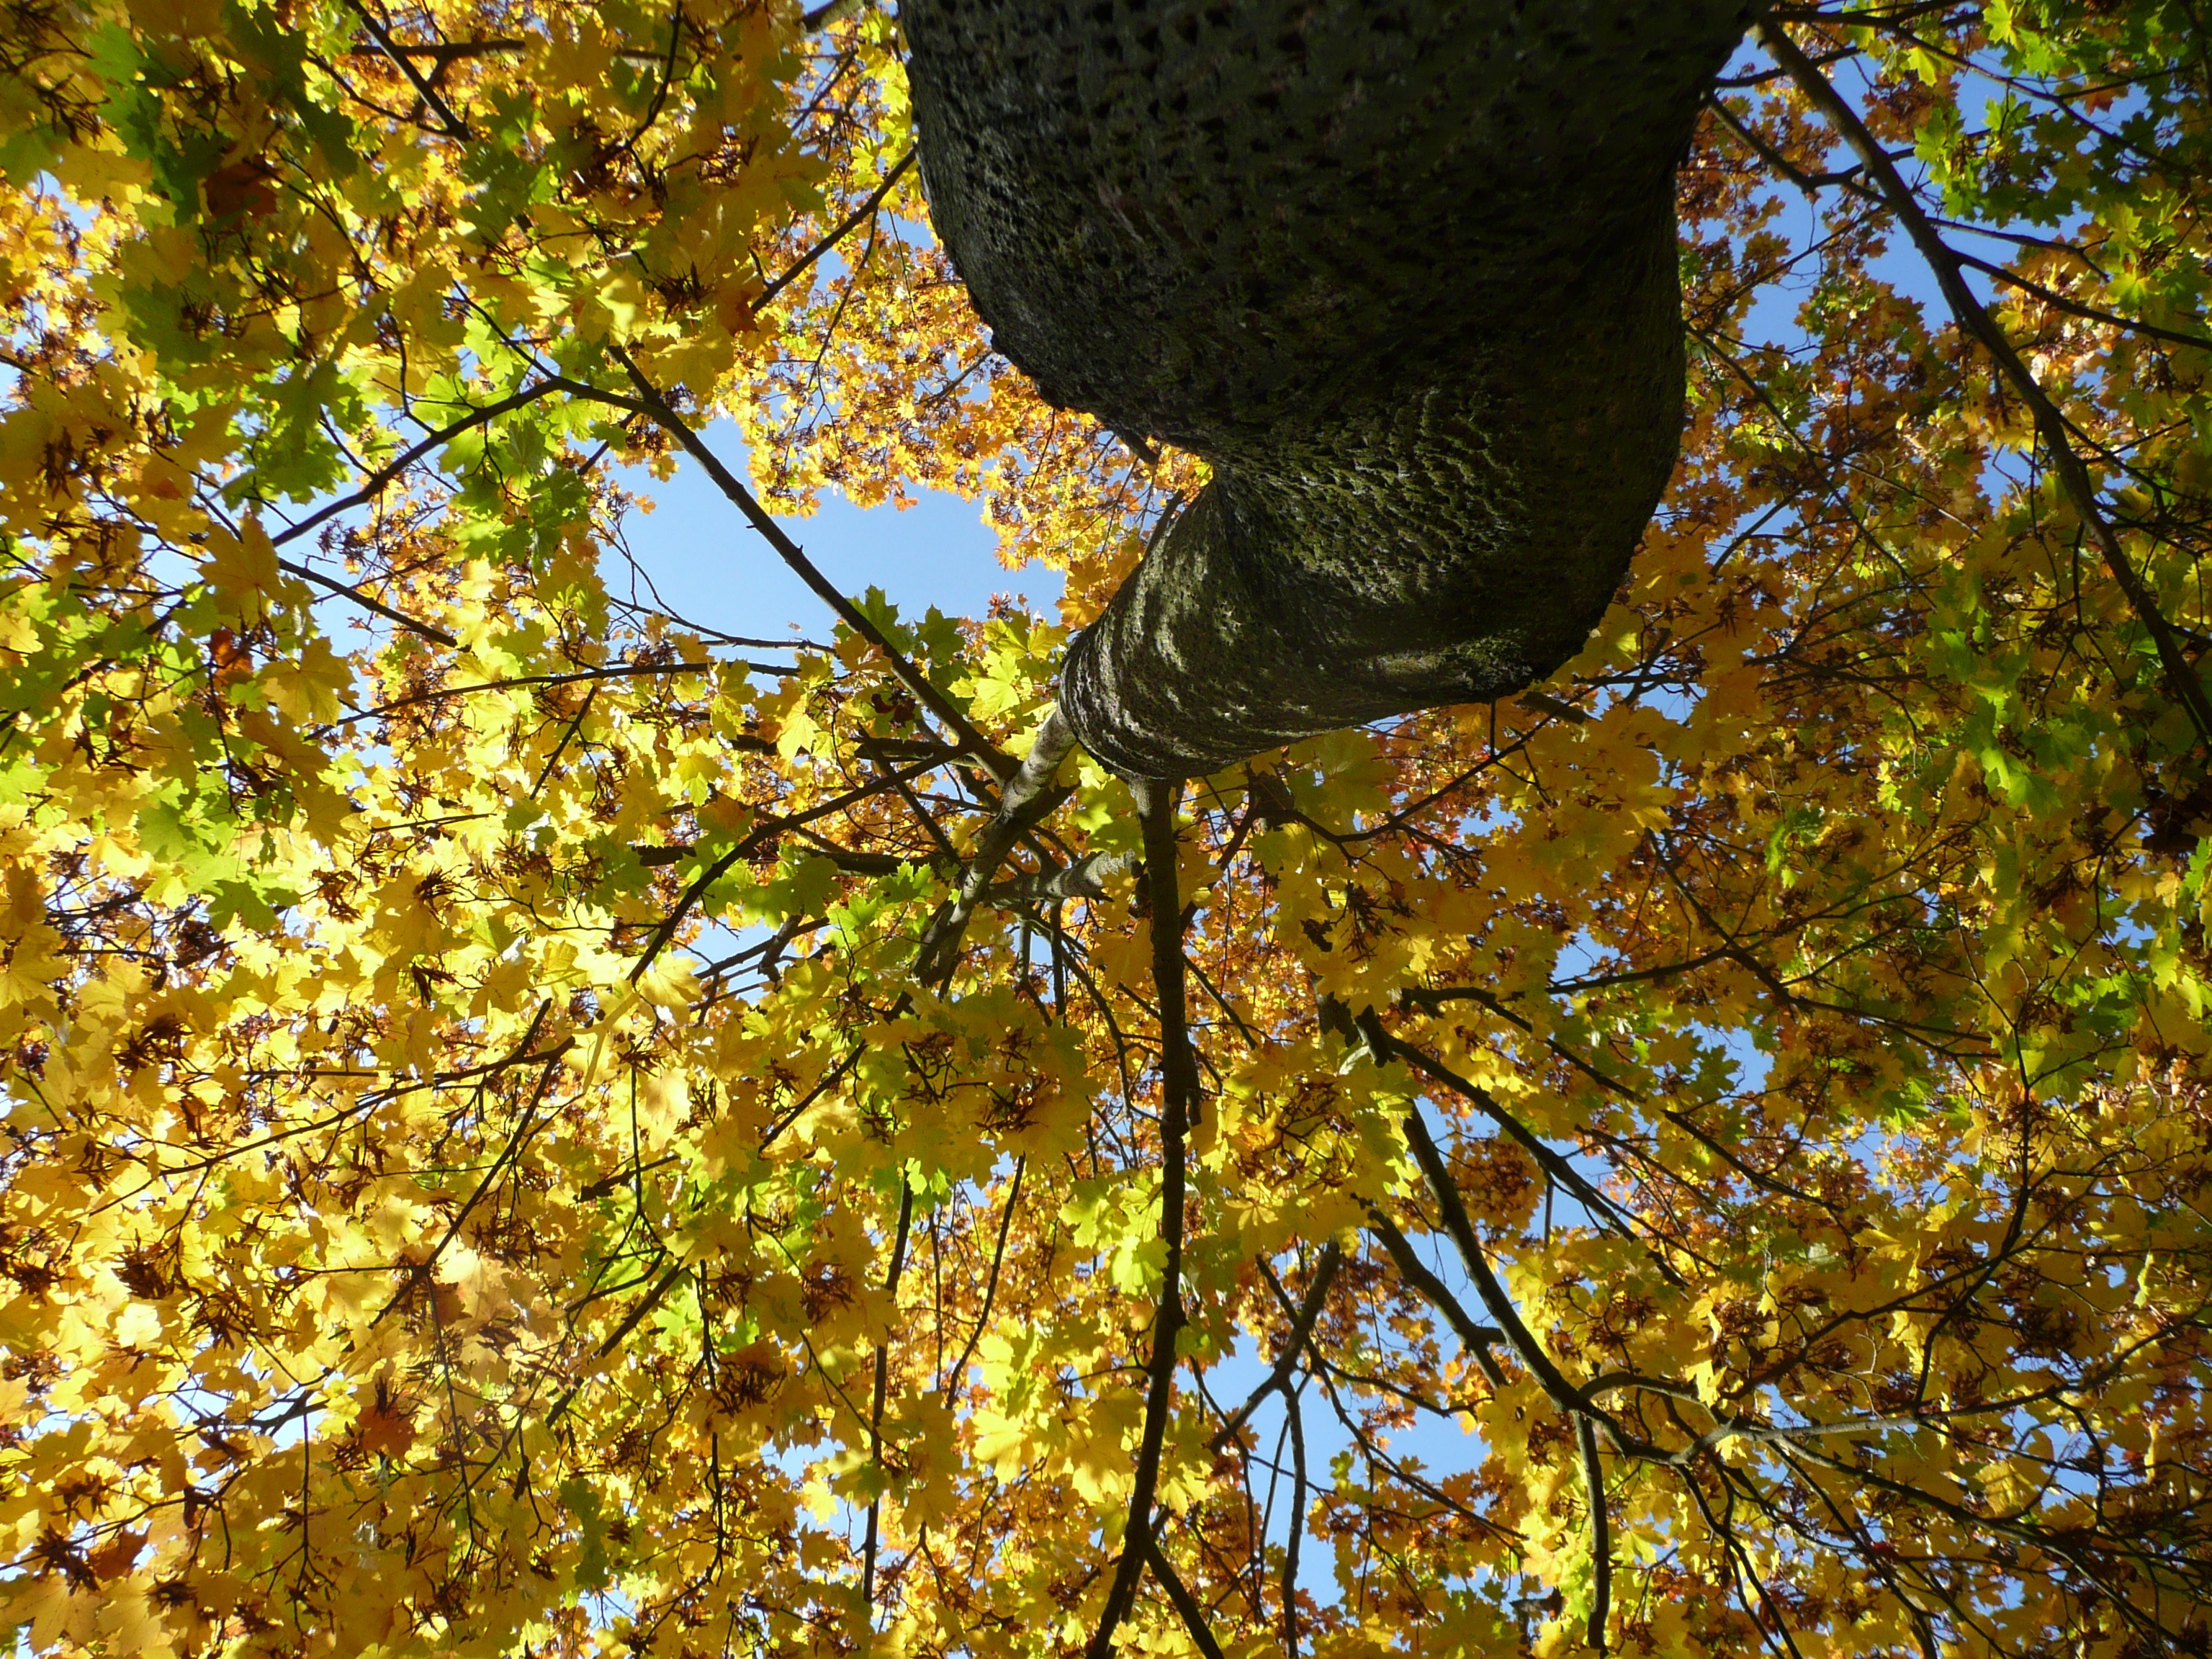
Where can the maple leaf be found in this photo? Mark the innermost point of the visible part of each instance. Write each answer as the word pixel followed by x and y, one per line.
pixel 385 1430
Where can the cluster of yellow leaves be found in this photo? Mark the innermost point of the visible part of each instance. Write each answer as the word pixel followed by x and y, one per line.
pixel 483 1174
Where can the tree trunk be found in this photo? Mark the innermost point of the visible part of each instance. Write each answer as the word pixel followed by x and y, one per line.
pixel 1403 273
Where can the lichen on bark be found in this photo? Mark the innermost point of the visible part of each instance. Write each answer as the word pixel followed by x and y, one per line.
pixel 1403 274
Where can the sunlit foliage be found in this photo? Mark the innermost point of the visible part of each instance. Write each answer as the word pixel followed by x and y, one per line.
pixel 1709 1156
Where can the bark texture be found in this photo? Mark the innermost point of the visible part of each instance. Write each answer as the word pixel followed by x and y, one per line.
pixel 1403 273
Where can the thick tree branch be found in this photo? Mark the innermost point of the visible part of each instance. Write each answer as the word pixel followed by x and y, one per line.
pixel 1439 398
pixel 1084 878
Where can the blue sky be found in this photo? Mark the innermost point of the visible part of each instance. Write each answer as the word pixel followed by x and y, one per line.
pixel 711 568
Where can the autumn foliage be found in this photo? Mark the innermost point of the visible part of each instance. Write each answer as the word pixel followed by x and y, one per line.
pixel 504 1155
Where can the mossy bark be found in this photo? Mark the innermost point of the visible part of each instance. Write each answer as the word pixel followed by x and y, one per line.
pixel 1403 273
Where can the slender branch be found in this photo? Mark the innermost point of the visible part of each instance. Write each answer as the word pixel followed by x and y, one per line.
pixel 947 854
pixel 715 871
pixel 1185 1605
pixel 623 1177
pixel 991 1287
pixel 368 602
pixel 446 51
pixel 882 1385
pixel 1543 702
pixel 1475 1338
pixel 1179 1091
pixel 2087 313
pixel 1301 1329
pixel 2050 424
pixel 645 1304
pixel 405 63
pixel 375 484
pixel 1294 1532
pixel 567 736
pixel 1811 183
pixel 1531 1352
pixel 1600 1532
pixel 1026 797
pixel 1387 1046
pixel 843 228
pixel 610 672
pixel 831 1079
pixel 1431 1000
pixel 650 402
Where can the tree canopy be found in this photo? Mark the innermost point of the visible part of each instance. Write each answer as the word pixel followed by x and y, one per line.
pixel 535 1125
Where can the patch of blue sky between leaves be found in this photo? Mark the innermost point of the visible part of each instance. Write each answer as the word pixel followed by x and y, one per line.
pixel 706 564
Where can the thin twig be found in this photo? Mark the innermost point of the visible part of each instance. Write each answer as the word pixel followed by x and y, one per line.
pixel 713 872
pixel 524 1126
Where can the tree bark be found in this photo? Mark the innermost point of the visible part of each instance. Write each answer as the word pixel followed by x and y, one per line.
pixel 1402 271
